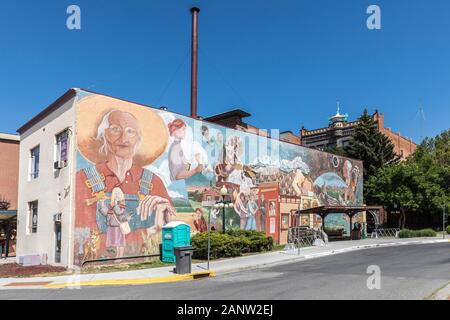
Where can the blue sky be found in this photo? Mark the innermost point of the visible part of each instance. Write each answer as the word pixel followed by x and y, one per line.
pixel 285 62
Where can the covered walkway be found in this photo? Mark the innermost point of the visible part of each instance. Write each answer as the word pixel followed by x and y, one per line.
pixel 350 211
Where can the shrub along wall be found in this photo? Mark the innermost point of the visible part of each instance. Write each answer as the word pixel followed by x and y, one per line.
pixel 406 233
pixel 233 243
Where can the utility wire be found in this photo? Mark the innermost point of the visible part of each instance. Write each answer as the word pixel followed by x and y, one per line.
pixel 228 83
pixel 169 83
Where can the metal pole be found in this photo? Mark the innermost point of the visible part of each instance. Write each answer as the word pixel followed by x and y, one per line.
pixel 443 222
pixel 223 214
pixel 194 61
pixel 122 258
pixel 8 236
pixel 351 220
pixel 209 236
pixel 223 219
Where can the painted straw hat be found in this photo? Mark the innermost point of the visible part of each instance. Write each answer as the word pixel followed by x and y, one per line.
pixel 90 113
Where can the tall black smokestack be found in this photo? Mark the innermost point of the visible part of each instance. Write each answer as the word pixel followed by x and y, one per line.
pixel 194 61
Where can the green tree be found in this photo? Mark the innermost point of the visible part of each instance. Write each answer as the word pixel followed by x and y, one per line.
pixel 337 150
pixel 421 184
pixel 433 158
pixel 393 187
pixel 4 204
pixel 372 147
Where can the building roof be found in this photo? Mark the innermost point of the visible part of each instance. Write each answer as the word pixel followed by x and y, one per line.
pixel 69 94
pixel 338 209
pixel 11 137
pixel 338 115
pixel 229 114
pixel 7 214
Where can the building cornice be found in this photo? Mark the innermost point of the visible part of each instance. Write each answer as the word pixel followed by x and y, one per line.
pixel 9 137
pixel 69 94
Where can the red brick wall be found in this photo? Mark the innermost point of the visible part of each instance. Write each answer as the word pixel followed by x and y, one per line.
pixel 9 171
pixel 403 146
pixel 290 137
pixel 400 143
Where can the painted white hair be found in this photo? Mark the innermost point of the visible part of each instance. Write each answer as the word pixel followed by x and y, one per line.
pixel 105 125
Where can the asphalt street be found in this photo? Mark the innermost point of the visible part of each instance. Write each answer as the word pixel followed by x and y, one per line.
pixel 407 272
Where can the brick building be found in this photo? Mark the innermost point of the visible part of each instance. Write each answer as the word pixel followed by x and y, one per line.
pixel 234 119
pixel 339 133
pixel 289 136
pixel 9 168
pixel 9 175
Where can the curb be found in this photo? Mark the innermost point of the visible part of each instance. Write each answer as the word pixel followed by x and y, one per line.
pixel 442 293
pixel 137 281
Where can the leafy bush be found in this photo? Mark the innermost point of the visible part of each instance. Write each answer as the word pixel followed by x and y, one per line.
pixel 334 231
pixel 258 240
pixel 231 244
pixel 406 233
pixel 448 229
pixel 426 233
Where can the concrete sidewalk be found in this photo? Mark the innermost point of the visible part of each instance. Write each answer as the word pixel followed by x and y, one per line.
pixel 165 274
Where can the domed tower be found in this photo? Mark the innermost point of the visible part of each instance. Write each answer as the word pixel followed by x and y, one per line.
pixel 336 126
pixel 338 120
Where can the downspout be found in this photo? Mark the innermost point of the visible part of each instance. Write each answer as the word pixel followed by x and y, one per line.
pixel 73 156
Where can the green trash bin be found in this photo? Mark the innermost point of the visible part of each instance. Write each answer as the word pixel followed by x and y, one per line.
pixel 174 234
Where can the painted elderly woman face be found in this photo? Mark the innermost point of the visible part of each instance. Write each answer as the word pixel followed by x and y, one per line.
pixel 122 135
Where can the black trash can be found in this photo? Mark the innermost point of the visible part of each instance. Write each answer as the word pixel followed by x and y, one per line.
pixel 183 259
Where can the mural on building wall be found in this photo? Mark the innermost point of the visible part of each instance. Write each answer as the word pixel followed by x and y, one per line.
pixel 139 168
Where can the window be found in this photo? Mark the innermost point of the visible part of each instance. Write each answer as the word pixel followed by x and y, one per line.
pixel 33 217
pixel 61 149
pixel 34 163
pixel 285 221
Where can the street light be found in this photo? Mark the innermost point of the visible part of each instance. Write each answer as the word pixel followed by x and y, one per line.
pixel 224 191
pixel 223 205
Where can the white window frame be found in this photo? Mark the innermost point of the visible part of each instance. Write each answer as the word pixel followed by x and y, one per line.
pixel 58 148
pixel 33 169
pixel 32 228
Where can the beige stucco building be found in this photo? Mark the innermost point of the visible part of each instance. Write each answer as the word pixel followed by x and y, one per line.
pixel 44 189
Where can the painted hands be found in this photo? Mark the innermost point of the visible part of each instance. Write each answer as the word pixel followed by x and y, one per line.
pixel 164 211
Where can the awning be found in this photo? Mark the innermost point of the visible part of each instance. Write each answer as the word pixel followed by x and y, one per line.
pixel 7 214
pixel 350 210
